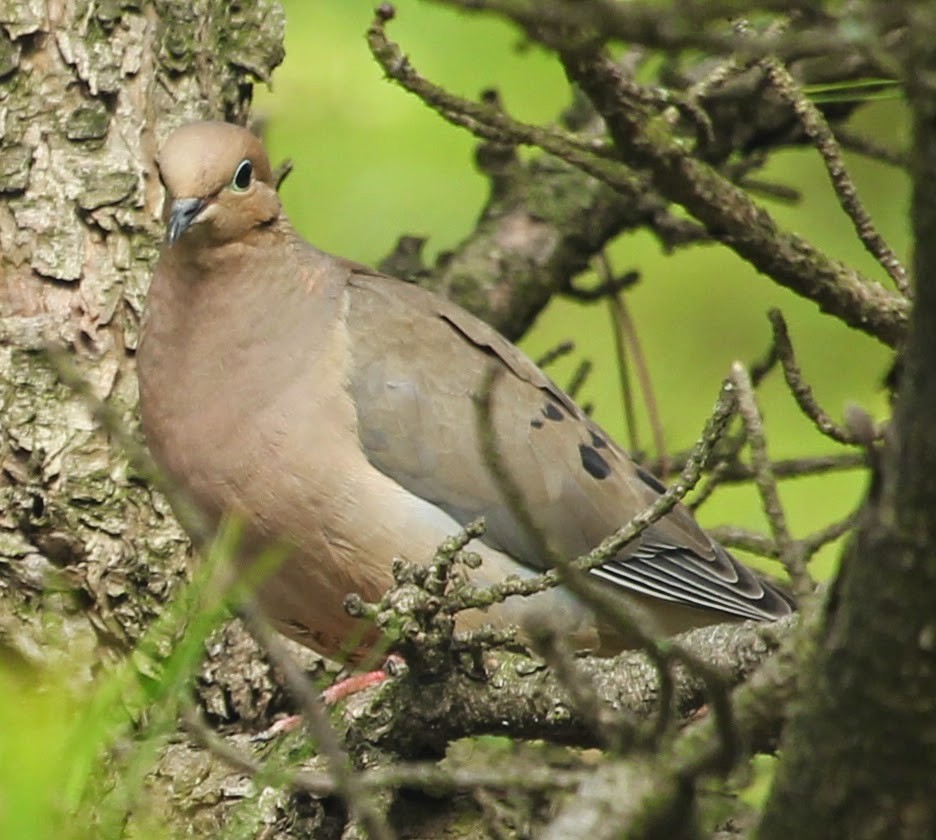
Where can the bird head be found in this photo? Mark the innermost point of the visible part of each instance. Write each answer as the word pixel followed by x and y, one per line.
pixel 219 185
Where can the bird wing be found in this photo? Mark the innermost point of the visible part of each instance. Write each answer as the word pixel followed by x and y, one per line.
pixel 459 416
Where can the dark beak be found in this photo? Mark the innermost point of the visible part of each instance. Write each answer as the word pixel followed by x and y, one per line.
pixel 182 213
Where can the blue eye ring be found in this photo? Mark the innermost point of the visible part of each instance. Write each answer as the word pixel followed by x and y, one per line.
pixel 243 176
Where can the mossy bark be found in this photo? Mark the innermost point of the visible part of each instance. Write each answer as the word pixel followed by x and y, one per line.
pixel 89 555
pixel 860 753
pixel 88 88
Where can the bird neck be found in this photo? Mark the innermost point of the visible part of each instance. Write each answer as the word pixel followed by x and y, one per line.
pixel 254 296
pixel 196 254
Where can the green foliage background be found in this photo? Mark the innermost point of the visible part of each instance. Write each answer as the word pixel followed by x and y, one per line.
pixel 371 163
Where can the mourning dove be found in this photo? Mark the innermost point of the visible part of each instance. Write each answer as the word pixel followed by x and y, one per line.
pixel 335 408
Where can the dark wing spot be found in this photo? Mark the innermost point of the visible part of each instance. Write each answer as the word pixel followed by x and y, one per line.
pixel 594 464
pixel 650 480
pixel 551 412
pixel 598 441
pixel 536 423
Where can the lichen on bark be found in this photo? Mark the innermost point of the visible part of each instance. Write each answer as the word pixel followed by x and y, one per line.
pixel 87 89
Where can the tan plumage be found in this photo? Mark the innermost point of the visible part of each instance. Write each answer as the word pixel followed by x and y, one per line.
pixel 335 407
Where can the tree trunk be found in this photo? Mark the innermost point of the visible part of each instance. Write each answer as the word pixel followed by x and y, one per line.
pixel 88 90
pixel 859 757
pixel 89 555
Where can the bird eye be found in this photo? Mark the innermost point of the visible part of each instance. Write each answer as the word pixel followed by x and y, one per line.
pixel 242 176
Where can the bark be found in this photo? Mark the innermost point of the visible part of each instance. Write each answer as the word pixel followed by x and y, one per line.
pixel 860 754
pixel 90 555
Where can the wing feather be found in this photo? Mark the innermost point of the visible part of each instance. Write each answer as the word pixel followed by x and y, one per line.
pixel 417 383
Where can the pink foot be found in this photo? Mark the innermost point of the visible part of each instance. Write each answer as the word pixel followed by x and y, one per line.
pixel 331 695
pixel 279 727
pixel 358 682
pixel 352 685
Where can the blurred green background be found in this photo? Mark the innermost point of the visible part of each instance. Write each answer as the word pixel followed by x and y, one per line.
pixel 372 163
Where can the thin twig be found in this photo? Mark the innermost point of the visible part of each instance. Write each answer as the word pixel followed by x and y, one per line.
pixel 663 654
pixel 747 227
pixel 708 486
pixel 608 287
pixel 817 129
pixel 730 536
pixel 770 189
pixel 790 554
pixel 736 472
pixel 627 328
pixel 759 368
pixel 627 345
pixel 718 204
pixel 625 388
pixel 316 719
pixel 651 25
pixel 714 428
pixel 579 377
pixel 490 122
pixel 730 451
pixel 615 731
pixel 830 533
pixel 861 145
pixel 801 391
pixel 552 355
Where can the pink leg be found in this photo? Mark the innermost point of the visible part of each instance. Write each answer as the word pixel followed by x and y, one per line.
pixel 359 682
pixel 339 691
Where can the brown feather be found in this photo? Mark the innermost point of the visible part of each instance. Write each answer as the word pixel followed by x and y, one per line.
pixel 335 409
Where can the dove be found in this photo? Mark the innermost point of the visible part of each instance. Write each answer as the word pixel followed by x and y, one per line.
pixel 335 411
